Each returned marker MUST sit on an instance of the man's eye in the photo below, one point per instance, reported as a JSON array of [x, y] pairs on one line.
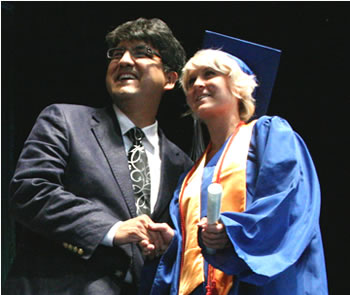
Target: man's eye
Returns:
[[118, 53], [140, 53]]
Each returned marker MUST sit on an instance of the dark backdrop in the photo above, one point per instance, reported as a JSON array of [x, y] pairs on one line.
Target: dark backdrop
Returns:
[[55, 52]]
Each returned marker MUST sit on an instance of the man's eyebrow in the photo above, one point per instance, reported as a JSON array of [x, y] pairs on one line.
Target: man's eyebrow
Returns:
[[141, 46]]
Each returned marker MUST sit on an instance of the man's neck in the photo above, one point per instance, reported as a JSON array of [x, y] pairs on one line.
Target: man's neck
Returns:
[[140, 115]]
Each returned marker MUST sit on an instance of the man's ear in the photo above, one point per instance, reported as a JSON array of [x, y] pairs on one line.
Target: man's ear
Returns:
[[171, 78]]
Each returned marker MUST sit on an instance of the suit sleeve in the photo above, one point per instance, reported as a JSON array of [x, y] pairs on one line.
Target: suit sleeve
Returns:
[[38, 198], [283, 209]]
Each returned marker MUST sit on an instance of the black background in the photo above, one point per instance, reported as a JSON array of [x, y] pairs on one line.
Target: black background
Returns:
[[55, 52]]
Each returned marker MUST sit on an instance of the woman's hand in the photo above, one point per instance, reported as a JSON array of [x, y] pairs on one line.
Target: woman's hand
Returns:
[[213, 235]]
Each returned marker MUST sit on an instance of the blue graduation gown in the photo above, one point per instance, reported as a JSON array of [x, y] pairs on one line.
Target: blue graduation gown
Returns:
[[276, 243]]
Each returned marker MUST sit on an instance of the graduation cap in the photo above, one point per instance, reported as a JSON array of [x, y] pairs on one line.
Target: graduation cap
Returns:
[[263, 61]]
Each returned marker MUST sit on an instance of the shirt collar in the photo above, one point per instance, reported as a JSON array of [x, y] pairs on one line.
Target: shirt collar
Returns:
[[151, 131]]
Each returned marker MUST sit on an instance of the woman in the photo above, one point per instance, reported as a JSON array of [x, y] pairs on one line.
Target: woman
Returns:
[[267, 240]]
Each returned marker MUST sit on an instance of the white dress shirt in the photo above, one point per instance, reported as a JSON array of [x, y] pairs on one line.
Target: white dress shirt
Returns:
[[151, 144]]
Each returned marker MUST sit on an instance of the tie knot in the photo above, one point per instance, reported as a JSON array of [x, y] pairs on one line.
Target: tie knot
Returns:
[[135, 134]]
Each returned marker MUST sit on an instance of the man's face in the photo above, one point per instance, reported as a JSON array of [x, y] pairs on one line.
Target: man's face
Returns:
[[134, 75]]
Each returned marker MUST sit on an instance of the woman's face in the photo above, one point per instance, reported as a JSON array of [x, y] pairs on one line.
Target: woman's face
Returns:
[[209, 94]]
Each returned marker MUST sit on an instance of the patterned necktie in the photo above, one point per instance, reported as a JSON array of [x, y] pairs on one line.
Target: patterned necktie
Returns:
[[139, 171]]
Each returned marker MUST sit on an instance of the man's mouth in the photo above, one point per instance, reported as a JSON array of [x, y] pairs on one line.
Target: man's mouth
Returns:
[[126, 76]]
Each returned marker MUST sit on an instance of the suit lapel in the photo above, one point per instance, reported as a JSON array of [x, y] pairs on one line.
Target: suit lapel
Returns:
[[107, 132]]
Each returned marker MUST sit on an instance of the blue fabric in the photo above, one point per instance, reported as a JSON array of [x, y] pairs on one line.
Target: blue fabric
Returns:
[[242, 65], [276, 243]]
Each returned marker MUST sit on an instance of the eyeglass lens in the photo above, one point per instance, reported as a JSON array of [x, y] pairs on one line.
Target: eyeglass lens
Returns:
[[137, 52]]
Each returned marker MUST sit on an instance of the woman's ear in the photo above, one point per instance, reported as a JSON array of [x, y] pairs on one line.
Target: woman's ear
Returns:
[[171, 80]]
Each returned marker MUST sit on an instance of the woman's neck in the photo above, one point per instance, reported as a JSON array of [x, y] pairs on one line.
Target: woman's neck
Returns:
[[220, 130]]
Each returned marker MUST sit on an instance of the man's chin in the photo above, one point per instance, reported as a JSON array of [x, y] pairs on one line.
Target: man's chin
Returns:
[[125, 94]]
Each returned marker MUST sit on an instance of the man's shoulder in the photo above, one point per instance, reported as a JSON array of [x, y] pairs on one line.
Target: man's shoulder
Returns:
[[71, 110], [172, 148], [65, 107]]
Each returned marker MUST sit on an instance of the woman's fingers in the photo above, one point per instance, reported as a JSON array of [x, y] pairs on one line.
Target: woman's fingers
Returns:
[[214, 235]]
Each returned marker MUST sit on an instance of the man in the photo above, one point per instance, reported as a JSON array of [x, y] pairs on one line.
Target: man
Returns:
[[72, 191]]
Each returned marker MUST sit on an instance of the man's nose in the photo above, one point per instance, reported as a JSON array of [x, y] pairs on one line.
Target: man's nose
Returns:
[[126, 59]]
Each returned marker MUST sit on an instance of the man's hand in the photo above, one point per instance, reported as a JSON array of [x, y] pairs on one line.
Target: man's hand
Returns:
[[135, 230], [166, 234], [213, 235]]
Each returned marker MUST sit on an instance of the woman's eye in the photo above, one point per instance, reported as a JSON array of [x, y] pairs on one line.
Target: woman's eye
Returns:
[[191, 82], [209, 73]]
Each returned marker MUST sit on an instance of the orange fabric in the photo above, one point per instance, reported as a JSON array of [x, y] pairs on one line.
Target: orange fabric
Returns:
[[192, 270], [233, 179]]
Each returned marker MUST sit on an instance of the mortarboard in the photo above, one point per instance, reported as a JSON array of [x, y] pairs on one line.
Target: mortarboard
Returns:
[[262, 60]]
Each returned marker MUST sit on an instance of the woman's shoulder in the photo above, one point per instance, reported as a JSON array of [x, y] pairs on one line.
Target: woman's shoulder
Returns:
[[271, 120], [272, 123]]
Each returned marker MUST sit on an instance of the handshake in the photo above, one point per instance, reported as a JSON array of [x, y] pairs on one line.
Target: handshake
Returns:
[[154, 238]]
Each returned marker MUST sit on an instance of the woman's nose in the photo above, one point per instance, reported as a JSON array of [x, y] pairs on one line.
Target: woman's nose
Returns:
[[198, 82]]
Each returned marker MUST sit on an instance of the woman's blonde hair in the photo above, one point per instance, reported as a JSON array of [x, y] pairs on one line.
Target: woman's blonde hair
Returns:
[[243, 85]]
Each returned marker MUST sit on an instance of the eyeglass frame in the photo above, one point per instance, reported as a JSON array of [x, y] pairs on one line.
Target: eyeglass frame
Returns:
[[149, 52]]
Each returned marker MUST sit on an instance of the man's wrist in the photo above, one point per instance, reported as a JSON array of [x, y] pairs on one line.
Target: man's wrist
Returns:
[[108, 239]]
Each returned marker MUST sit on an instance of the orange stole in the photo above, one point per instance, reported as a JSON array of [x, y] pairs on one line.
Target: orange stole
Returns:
[[233, 180]]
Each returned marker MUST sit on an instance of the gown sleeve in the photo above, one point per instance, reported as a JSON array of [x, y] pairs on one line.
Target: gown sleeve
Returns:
[[283, 206]]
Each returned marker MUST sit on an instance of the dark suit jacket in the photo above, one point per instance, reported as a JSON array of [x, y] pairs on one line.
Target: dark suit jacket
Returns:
[[70, 186]]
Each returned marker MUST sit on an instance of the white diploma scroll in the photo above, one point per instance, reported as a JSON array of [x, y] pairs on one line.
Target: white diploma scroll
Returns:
[[213, 206]]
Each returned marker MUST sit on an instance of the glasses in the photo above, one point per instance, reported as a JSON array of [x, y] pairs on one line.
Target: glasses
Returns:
[[140, 51]]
